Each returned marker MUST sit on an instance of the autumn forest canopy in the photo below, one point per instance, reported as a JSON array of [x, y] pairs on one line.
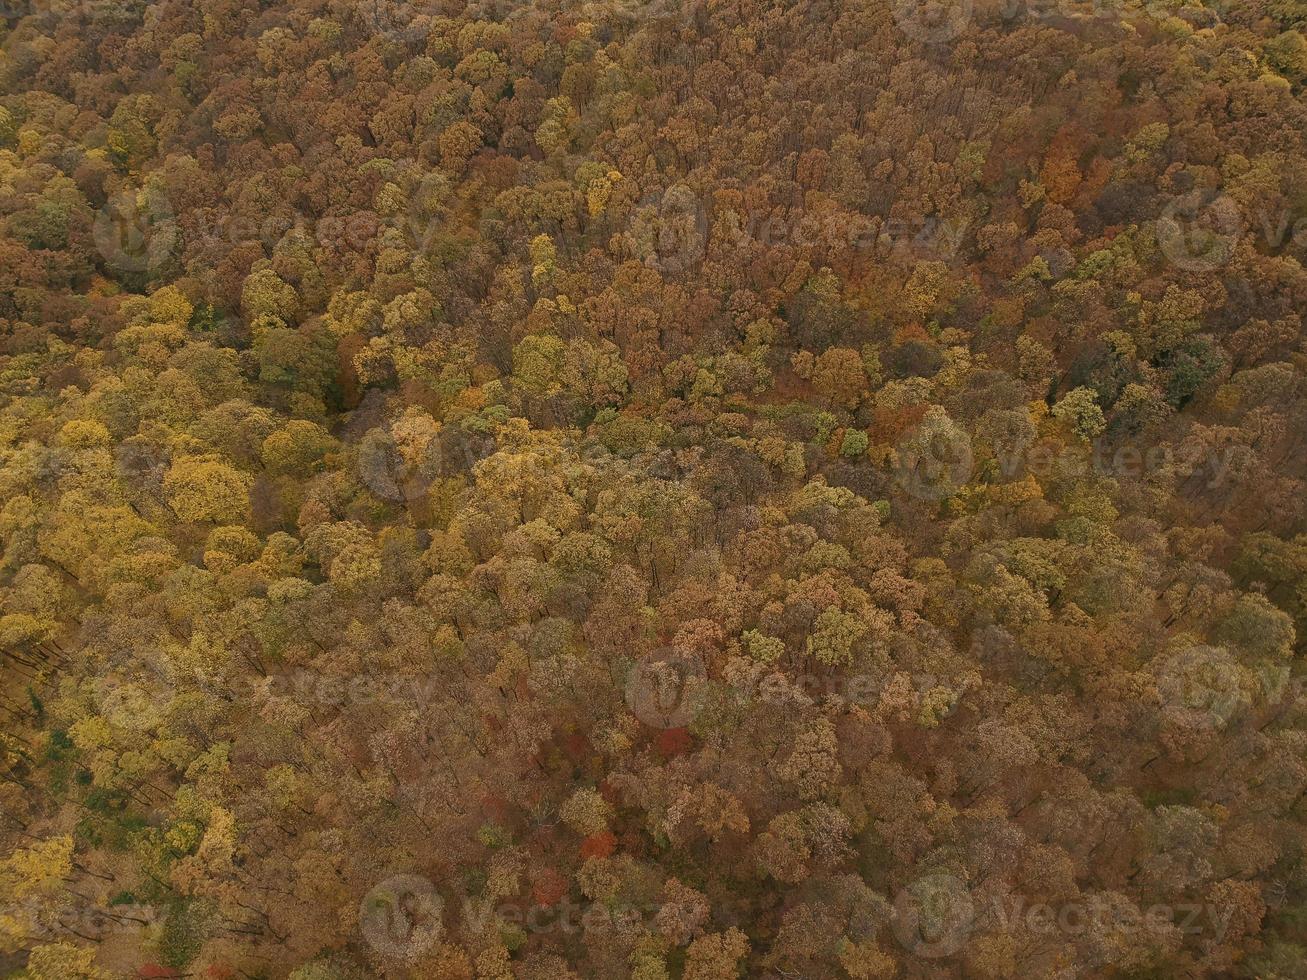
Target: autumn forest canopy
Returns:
[[655, 490]]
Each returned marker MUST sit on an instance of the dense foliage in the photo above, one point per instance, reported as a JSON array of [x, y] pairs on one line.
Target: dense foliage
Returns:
[[781, 488]]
